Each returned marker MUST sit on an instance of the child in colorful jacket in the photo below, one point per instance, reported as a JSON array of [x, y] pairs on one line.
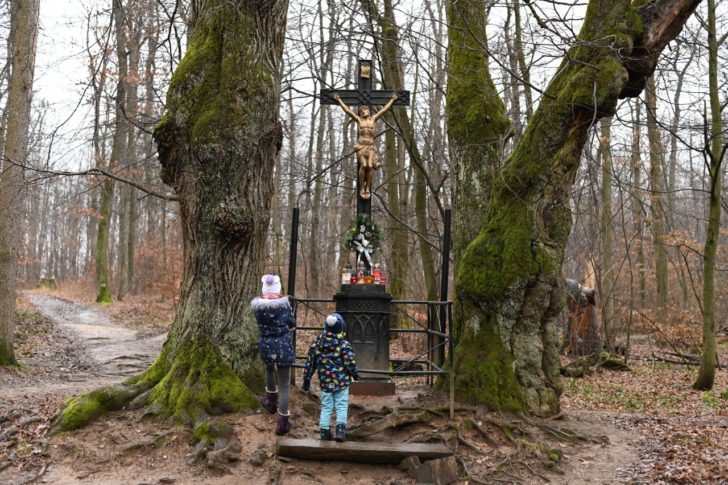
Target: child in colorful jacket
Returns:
[[274, 316], [331, 355]]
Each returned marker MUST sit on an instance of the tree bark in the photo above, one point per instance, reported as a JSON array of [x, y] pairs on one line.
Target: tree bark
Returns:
[[709, 358], [217, 144], [607, 235], [637, 206], [118, 148], [477, 123], [509, 280], [657, 200], [20, 95]]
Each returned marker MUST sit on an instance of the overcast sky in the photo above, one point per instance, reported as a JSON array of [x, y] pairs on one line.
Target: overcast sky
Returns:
[[61, 74]]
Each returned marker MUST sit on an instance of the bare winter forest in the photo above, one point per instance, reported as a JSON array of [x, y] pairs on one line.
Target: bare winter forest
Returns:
[[153, 154]]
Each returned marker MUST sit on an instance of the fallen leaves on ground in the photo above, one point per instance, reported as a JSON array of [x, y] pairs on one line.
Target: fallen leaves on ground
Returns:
[[684, 431]]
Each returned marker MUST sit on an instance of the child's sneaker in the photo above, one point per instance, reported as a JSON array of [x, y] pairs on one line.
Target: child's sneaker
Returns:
[[326, 435]]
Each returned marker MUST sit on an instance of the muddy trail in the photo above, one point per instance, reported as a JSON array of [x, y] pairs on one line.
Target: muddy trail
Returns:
[[86, 349]]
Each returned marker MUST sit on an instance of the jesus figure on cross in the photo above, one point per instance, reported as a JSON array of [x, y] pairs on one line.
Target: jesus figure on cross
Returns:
[[366, 153]]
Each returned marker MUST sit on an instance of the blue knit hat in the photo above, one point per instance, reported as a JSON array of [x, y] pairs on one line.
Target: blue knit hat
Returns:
[[334, 323]]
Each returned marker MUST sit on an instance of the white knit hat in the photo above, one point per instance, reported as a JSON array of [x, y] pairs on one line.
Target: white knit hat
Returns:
[[271, 284]]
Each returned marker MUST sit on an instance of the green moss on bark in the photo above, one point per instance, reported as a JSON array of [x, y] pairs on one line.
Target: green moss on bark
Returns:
[[485, 371], [509, 282], [81, 410], [7, 355], [477, 122], [200, 383], [104, 294]]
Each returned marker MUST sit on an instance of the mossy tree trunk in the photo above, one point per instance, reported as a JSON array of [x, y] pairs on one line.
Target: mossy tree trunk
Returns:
[[217, 144], [509, 281], [716, 155], [24, 20], [477, 123]]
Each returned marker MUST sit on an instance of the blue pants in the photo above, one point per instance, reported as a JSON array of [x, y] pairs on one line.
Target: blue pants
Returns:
[[329, 401]]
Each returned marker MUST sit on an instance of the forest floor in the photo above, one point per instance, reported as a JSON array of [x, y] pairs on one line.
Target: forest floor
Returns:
[[641, 426]]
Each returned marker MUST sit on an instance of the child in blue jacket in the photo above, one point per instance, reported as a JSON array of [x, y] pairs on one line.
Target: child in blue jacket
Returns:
[[331, 355], [274, 316]]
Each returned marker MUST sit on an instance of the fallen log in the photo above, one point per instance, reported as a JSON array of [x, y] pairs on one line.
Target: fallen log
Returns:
[[359, 451]]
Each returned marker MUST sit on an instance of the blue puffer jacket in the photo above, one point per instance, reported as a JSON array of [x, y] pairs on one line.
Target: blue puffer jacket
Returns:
[[275, 319], [333, 357]]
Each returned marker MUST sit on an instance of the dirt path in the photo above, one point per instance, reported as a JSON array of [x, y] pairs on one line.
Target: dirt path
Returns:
[[87, 349], [112, 350]]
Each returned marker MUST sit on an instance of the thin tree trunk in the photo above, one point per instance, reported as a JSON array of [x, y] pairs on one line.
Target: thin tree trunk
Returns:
[[394, 79], [116, 158], [20, 94], [657, 202], [637, 206], [708, 358], [132, 152], [672, 170], [524, 70], [607, 235]]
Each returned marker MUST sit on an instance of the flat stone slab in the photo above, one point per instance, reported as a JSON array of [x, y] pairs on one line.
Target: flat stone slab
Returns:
[[359, 451]]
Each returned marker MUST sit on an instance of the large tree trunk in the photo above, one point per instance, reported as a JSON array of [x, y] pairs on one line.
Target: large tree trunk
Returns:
[[509, 280], [477, 123], [709, 357], [217, 145], [20, 92]]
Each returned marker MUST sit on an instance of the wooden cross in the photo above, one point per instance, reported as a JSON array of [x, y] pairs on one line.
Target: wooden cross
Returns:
[[364, 96]]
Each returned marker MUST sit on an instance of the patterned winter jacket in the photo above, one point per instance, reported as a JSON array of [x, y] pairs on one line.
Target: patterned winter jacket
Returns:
[[333, 357], [275, 319]]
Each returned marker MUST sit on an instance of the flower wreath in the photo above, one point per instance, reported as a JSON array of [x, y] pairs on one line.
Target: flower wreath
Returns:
[[363, 237]]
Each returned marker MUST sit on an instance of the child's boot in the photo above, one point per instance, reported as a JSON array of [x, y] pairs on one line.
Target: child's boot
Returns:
[[326, 434], [340, 432], [283, 425], [270, 401]]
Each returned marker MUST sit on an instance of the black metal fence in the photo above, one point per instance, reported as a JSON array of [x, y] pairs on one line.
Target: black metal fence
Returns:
[[431, 319]]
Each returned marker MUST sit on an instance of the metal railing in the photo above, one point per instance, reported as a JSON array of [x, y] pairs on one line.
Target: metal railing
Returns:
[[436, 326]]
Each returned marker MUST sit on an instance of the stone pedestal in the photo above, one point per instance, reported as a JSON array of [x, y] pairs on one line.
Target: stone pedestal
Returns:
[[366, 310]]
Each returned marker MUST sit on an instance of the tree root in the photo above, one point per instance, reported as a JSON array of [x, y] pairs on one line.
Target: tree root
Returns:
[[216, 444], [35, 477], [472, 478], [81, 410], [486, 436], [560, 433], [189, 388], [463, 440], [586, 365], [393, 420]]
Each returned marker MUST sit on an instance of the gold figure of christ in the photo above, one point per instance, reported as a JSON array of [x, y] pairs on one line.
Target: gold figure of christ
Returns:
[[366, 153]]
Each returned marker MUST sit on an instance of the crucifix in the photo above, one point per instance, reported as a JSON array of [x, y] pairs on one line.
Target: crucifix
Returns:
[[365, 98]]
